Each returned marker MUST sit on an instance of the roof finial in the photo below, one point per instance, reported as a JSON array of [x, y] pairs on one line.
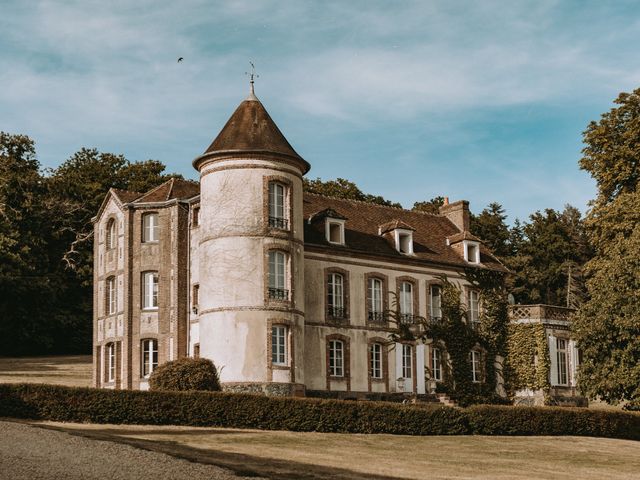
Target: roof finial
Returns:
[[252, 74]]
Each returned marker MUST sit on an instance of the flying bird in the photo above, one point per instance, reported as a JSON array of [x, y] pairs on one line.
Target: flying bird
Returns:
[[180, 59]]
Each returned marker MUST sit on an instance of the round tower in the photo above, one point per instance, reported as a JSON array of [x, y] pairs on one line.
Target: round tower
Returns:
[[251, 255]]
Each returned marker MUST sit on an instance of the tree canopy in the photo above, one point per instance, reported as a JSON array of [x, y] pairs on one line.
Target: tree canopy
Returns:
[[608, 324]]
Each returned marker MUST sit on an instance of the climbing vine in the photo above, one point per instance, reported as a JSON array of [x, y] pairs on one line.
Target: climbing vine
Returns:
[[455, 334], [528, 360]]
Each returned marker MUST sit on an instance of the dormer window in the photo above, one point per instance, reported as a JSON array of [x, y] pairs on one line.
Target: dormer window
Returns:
[[471, 251], [334, 231], [404, 241]]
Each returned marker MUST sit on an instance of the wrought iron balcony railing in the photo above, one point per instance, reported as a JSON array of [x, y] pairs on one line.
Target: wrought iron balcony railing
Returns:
[[279, 222], [407, 318], [377, 317], [337, 312], [278, 294]]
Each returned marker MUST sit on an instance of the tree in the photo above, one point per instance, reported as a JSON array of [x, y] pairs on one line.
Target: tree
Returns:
[[490, 226], [608, 324], [341, 188], [431, 206]]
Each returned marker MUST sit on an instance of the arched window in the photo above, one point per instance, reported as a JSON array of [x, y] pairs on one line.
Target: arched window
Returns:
[[278, 275], [374, 291], [110, 239], [111, 296], [149, 357], [335, 295], [150, 231], [277, 207]]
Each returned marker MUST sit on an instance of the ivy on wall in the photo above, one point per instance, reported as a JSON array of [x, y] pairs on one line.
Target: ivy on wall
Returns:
[[528, 360], [453, 332]]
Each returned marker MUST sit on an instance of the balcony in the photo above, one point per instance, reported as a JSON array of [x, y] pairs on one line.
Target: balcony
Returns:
[[336, 313], [279, 223], [377, 317], [539, 313], [278, 294], [408, 319]]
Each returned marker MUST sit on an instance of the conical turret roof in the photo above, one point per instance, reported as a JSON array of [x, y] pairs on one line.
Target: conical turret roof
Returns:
[[251, 131]]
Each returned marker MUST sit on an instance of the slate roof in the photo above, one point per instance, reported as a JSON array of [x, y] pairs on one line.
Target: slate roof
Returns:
[[250, 130], [361, 233]]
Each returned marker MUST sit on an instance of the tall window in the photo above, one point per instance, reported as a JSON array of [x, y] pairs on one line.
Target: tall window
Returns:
[[406, 302], [335, 295], [110, 240], [407, 361], [375, 353], [436, 303], [111, 362], [279, 345], [561, 352], [476, 372], [474, 308], [111, 296], [195, 298], [150, 290], [277, 275], [149, 357], [277, 195], [436, 364], [375, 300], [336, 358], [150, 227]]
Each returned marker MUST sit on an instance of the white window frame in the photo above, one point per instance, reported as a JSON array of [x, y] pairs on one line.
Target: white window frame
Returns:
[[401, 234], [407, 360], [475, 357], [376, 304], [110, 238], [336, 358], [278, 205], [150, 290], [436, 364], [335, 291], [279, 348], [335, 223], [111, 362], [435, 307], [149, 357], [562, 361], [375, 359], [474, 308], [471, 251], [112, 296], [150, 228], [277, 276], [406, 298]]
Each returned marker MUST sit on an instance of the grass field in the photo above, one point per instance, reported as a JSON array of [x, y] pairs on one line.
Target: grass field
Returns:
[[70, 370], [293, 455]]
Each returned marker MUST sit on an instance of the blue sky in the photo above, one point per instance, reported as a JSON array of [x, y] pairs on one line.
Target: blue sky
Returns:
[[484, 101]]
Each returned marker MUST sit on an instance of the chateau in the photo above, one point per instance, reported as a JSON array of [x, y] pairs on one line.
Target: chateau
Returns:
[[287, 292]]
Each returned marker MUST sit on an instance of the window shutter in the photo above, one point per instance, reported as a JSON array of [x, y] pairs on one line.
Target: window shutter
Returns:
[[553, 365], [420, 349], [398, 360], [572, 353]]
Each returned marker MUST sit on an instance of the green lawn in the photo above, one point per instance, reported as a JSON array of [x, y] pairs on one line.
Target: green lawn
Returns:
[[293, 455]]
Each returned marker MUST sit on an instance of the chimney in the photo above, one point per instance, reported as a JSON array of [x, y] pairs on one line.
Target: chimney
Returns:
[[457, 213]]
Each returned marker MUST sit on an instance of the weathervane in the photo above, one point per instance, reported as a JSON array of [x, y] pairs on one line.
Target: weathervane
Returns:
[[252, 74]]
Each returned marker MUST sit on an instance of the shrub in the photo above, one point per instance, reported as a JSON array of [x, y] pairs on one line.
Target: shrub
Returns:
[[185, 374], [235, 410]]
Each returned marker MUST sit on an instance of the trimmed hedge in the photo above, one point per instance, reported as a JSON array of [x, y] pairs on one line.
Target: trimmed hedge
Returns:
[[185, 374], [49, 402]]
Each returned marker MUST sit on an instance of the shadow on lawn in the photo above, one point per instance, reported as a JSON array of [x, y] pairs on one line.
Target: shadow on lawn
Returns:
[[240, 464]]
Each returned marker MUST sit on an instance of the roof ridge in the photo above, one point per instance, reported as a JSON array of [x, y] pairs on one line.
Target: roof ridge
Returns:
[[353, 200], [172, 182]]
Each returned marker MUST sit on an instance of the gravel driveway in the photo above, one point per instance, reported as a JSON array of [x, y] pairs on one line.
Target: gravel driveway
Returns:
[[28, 452]]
